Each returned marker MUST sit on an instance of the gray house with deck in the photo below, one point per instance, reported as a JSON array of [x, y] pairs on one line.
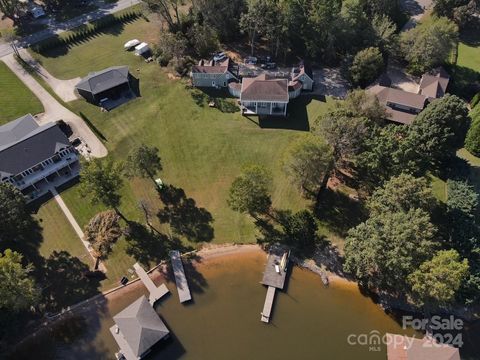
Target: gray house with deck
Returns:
[[34, 158], [213, 73]]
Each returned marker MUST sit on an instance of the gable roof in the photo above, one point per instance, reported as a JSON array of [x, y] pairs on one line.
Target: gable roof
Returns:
[[141, 326], [264, 88], [434, 84], [23, 144], [388, 96], [303, 68], [212, 67], [401, 347], [97, 82]]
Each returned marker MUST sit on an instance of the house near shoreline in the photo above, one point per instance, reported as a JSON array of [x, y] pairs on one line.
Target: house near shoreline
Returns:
[[213, 73], [263, 95], [137, 329], [403, 106], [401, 347], [35, 158]]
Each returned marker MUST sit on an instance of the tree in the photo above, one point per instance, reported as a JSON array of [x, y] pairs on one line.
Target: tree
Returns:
[[249, 192], [204, 39], [382, 251], [227, 25], [253, 21], [447, 7], [169, 10], [385, 34], [437, 281], [300, 230], [308, 162], [170, 46], [472, 141], [439, 130], [102, 231], [367, 66], [16, 221], [401, 193], [143, 161], [17, 289], [362, 104], [100, 180], [346, 135], [11, 8], [428, 44]]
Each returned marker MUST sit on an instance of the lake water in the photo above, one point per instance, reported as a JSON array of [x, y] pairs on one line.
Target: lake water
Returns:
[[309, 321]]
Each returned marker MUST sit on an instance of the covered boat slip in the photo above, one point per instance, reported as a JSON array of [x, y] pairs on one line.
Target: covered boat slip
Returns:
[[180, 278]]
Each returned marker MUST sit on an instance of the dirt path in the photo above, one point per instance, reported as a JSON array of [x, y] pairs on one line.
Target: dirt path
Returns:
[[55, 111]]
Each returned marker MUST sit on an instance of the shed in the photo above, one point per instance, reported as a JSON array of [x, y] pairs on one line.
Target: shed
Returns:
[[107, 83]]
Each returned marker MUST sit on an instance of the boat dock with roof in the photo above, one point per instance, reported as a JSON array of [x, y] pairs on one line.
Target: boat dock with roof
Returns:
[[274, 277], [180, 278], [155, 292]]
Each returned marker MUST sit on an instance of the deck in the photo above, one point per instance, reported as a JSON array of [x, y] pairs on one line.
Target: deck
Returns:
[[270, 276], [156, 293], [180, 278], [267, 307]]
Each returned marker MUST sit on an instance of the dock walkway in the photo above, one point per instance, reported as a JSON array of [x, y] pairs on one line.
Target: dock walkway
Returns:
[[155, 292], [267, 307], [180, 278]]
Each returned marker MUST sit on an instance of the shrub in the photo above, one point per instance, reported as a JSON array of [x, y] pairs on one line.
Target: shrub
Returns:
[[472, 141]]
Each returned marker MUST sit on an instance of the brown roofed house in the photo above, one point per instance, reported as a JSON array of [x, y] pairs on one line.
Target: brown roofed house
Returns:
[[213, 73], [264, 95], [400, 347], [403, 106]]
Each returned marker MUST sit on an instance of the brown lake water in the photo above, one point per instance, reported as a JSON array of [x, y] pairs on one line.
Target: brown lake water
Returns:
[[309, 321]]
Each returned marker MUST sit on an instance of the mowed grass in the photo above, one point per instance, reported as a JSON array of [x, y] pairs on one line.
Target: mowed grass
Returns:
[[15, 98], [202, 149], [58, 234], [467, 68], [469, 52]]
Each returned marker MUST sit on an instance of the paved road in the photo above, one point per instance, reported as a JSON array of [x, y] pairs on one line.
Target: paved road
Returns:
[[55, 111], [55, 28]]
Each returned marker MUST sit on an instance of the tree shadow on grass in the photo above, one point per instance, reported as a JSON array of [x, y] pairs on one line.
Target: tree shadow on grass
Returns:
[[67, 281], [184, 216], [297, 115], [149, 246], [338, 212], [465, 82]]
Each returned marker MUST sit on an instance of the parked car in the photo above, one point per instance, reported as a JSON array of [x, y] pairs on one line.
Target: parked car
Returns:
[[219, 56], [76, 142], [66, 129], [269, 66], [251, 60]]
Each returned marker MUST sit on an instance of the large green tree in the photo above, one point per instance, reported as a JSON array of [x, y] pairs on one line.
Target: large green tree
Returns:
[[385, 249], [472, 140], [18, 290], [249, 192], [11, 8], [143, 161], [308, 162], [439, 130], [385, 34], [169, 11], [437, 281], [429, 44], [15, 219], [366, 67], [401, 193], [100, 181]]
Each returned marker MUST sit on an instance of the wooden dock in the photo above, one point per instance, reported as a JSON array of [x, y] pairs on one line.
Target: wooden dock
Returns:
[[180, 278], [267, 307], [156, 293], [274, 277]]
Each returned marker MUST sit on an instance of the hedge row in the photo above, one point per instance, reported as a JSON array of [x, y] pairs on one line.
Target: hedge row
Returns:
[[88, 31]]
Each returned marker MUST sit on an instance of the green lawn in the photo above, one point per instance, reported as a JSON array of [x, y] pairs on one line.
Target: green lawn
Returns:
[[467, 68], [202, 148], [58, 234], [15, 98]]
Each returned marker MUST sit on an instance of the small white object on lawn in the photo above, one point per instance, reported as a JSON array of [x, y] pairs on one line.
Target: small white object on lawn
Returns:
[[130, 44], [141, 48]]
